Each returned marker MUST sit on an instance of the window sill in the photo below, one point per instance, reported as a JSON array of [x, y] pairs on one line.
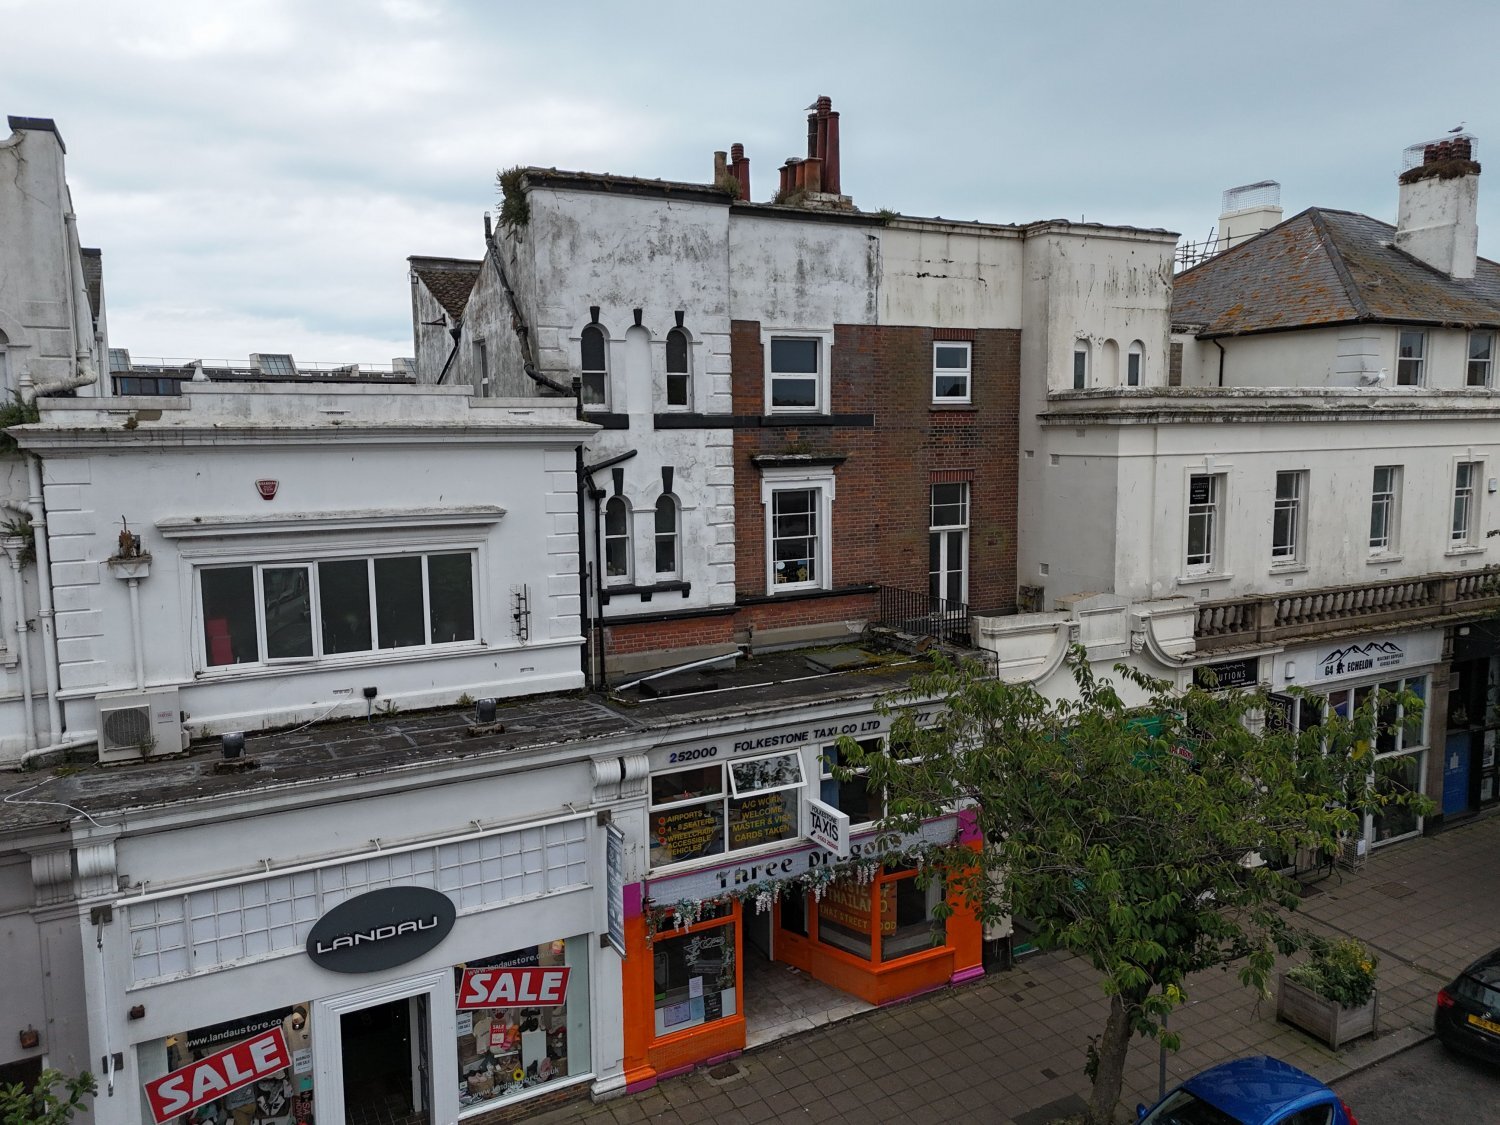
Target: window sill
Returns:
[[645, 592], [1383, 560], [1199, 579], [958, 407], [1461, 552], [343, 660], [1295, 567]]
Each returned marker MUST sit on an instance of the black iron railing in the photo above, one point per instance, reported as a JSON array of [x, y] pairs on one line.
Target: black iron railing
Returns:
[[922, 615]]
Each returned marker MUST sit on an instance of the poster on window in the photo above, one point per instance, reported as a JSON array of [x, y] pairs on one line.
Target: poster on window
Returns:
[[689, 833], [254, 1071], [762, 819]]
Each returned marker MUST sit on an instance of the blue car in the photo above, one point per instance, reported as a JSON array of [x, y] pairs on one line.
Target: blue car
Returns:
[[1255, 1091]]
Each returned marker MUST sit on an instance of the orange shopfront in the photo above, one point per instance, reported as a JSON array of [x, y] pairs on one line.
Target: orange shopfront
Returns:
[[863, 926]]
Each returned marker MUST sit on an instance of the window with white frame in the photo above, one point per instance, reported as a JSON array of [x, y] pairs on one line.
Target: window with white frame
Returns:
[[616, 540], [948, 542], [1411, 356], [256, 613], [951, 361], [1134, 359], [1080, 364], [798, 503], [1465, 502], [794, 374], [1287, 517], [594, 368], [1205, 496], [1481, 359], [679, 386], [1385, 502], [666, 534], [709, 810]]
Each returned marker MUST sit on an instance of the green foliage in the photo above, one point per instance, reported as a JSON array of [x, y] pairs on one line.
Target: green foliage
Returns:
[[796, 197], [1128, 835], [25, 529], [1341, 971], [515, 208], [16, 413], [43, 1104], [729, 185]]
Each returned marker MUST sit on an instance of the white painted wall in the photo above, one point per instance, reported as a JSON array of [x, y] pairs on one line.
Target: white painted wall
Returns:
[[1324, 357], [402, 463], [949, 275]]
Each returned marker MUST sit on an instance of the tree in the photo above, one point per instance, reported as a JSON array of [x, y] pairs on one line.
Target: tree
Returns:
[[1131, 836], [42, 1104]]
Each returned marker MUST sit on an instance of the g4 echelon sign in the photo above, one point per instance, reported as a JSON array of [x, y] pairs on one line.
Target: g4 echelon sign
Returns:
[[380, 929]]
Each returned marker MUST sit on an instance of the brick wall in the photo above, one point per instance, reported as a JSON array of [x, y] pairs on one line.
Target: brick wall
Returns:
[[651, 636], [881, 514]]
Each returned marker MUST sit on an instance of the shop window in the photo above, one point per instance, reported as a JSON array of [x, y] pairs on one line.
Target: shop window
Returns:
[[712, 809], [522, 1020], [679, 388], [228, 1071], [887, 919], [304, 611], [696, 977]]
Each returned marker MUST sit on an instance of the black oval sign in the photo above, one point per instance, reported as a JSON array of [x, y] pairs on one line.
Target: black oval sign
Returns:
[[380, 929]]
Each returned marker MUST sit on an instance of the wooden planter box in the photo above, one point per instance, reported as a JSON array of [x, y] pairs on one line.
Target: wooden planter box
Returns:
[[1324, 1019]]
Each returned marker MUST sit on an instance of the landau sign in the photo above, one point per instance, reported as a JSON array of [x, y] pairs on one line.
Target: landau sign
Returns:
[[380, 929]]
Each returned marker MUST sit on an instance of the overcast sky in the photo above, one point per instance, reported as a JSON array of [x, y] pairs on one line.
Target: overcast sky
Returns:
[[257, 171]]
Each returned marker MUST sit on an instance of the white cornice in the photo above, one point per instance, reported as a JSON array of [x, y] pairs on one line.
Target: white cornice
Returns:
[[282, 523]]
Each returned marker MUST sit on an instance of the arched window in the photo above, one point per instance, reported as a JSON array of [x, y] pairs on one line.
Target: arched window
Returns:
[[1080, 364], [1134, 360], [617, 540], [595, 368], [666, 535], [679, 388]]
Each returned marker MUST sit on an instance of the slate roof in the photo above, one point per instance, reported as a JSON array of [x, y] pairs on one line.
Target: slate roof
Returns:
[[1328, 267], [93, 278], [450, 280]]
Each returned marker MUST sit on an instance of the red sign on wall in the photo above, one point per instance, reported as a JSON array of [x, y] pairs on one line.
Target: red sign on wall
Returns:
[[201, 1082], [513, 988]]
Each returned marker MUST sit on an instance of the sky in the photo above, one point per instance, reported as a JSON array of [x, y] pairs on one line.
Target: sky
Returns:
[[256, 172]]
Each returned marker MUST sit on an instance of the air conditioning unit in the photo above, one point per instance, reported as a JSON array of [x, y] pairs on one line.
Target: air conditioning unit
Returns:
[[137, 725]]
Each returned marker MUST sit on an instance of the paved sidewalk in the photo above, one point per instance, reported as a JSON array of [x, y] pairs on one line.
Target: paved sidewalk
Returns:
[[999, 1049]]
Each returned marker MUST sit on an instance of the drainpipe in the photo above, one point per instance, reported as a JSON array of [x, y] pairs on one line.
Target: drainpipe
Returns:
[[138, 643], [44, 592], [13, 546], [83, 326], [456, 332], [519, 324], [586, 479], [1221, 361]]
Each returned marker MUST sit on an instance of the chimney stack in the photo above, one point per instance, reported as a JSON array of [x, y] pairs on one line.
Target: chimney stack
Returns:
[[739, 168], [818, 173], [1247, 211], [1437, 216]]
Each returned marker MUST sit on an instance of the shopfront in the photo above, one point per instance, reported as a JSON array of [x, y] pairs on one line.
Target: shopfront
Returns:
[[425, 984], [1471, 766], [1340, 677], [758, 852]]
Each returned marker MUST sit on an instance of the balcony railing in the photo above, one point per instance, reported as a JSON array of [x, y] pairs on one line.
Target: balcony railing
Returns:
[[1269, 618], [922, 615]]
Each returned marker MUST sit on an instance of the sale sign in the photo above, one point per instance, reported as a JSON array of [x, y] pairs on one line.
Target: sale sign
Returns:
[[223, 1072], [531, 987]]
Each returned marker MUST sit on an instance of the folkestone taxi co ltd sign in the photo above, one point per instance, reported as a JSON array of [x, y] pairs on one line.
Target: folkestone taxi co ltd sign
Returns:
[[380, 929]]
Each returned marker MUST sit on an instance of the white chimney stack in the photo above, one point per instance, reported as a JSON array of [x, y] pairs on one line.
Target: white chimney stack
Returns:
[[1437, 218], [1248, 210]]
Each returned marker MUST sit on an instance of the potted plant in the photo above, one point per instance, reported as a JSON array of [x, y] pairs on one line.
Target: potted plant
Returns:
[[1332, 994]]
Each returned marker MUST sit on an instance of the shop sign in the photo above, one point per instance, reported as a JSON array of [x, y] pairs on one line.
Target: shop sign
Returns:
[[760, 741], [1359, 660], [380, 929], [614, 885], [209, 1079], [1229, 674], [711, 882], [499, 987], [827, 827]]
